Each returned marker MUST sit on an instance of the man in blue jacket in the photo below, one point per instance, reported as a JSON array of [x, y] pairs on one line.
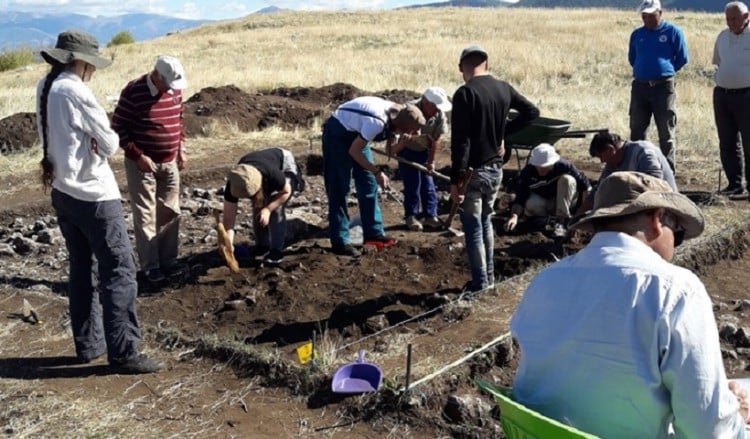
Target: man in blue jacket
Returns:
[[656, 52]]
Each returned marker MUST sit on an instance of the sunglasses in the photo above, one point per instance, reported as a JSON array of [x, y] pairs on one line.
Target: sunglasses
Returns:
[[670, 220]]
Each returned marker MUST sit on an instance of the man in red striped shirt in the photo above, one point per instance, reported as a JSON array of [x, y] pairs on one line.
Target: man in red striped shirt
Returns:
[[148, 119]]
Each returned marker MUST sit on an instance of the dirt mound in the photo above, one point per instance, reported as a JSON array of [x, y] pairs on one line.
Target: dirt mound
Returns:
[[287, 107], [17, 132]]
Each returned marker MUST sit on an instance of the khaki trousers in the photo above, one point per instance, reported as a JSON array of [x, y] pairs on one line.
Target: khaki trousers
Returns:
[[561, 205], [155, 199]]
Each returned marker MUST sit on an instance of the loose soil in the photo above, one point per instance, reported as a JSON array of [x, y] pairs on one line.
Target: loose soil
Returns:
[[229, 340]]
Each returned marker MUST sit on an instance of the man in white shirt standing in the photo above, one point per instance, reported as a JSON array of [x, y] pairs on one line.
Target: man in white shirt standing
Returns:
[[732, 97], [617, 341]]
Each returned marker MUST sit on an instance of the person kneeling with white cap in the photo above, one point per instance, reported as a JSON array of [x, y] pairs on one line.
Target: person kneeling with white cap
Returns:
[[548, 186]]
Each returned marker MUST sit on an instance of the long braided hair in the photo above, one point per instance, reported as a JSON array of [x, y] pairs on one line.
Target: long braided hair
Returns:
[[48, 174]]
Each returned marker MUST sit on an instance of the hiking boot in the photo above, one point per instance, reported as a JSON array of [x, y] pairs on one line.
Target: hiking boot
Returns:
[[174, 269], [155, 275], [413, 224], [274, 257], [732, 190], [432, 222], [345, 250], [136, 365], [381, 241]]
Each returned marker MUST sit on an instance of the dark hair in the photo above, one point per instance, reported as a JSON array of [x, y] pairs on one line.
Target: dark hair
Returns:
[[473, 59], [602, 141], [48, 174]]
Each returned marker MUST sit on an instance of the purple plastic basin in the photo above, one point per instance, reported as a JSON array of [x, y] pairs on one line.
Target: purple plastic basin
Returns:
[[357, 377]]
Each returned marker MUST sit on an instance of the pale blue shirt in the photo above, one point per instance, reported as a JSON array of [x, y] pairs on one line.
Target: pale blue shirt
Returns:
[[367, 125], [73, 119], [622, 344]]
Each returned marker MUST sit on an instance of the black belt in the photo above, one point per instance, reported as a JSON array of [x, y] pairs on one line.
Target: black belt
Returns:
[[733, 91], [655, 82]]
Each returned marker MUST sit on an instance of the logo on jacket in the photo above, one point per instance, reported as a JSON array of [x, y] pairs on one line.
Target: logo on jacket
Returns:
[[662, 38]]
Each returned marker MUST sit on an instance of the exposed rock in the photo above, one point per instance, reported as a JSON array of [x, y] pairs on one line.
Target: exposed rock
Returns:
[[23, 246], [463, 409], [6, 250], [728, 332]]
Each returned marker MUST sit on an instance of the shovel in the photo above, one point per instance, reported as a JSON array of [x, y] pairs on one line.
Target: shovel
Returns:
[[454, 206], [357, 377], [413, 164]]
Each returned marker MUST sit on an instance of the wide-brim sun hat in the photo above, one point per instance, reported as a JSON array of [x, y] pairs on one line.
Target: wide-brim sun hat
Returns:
[[244, 181], [627, 192], [543, 155], [75, 45], [407, 116]]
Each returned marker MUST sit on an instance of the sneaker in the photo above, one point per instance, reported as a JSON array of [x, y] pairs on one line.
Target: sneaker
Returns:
[[732, 190], [136, 365], [413, 224], [345, 250], [738, 196], [274, 257], [381, 241], [559, 231], [432, 222], [259, 250], [174, 269], [154, 275]]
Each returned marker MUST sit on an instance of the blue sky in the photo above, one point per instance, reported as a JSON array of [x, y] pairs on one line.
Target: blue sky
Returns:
[[196, 9]]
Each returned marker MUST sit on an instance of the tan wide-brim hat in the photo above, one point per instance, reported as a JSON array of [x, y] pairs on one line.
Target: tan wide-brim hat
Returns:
[[407, 117], [73, 45], [244, 181], [625, 193]]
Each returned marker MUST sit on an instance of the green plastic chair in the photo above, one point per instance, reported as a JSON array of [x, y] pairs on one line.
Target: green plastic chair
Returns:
[[520, 422]]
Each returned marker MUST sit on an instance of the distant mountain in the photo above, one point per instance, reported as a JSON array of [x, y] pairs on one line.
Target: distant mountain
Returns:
[[464, 3], [40, 30], [270, 10], [687, 5]]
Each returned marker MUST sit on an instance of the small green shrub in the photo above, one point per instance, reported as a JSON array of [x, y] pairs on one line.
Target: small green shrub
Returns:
[[121, 38], [13, 59]]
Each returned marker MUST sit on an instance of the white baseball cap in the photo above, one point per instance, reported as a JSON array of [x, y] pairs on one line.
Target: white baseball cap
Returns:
[[543, 155], [649, 6], [437, 96], [172, 71]]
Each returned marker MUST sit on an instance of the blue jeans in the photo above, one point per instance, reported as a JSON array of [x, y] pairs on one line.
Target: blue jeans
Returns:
[[476, 218], [418, 186], [273, 235], [104, 319], [339, 167]]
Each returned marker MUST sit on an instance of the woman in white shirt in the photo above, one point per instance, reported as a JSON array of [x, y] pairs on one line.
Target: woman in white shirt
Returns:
[[77, 141]]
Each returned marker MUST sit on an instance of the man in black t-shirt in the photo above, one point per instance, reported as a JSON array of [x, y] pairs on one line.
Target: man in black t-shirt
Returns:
[[268, 178]]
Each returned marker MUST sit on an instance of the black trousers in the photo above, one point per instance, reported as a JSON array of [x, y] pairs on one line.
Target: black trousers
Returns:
[[732, 116]]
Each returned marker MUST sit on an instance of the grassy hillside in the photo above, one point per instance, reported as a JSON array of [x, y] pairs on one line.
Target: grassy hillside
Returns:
[[571, 63], [685, 5]]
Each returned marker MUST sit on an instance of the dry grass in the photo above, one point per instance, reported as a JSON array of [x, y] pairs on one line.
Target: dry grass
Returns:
[[571, 63]]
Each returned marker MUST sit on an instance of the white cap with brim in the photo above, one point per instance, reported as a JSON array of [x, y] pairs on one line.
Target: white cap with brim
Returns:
[[439, 97], [625, 193], [75, 45], [172, 72], [649, 6]]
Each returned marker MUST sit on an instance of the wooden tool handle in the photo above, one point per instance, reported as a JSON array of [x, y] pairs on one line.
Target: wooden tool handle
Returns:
[[461, 190], [413, 164]]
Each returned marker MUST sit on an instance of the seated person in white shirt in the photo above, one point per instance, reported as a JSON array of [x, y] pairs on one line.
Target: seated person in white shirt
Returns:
[[617, 341]]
